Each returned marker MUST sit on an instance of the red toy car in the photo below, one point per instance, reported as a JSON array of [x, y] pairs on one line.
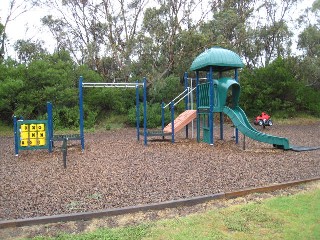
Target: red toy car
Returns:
[[263, 120]]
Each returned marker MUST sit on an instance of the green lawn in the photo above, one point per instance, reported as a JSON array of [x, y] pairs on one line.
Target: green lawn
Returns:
[[286, 217]]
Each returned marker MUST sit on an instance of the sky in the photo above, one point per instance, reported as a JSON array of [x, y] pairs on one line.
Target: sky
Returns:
[[28, 25]]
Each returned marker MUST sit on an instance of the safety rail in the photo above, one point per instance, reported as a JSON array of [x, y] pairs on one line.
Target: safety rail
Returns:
[[177, 97]]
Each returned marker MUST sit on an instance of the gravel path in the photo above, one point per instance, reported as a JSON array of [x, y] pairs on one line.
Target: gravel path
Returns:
[[116, 171]]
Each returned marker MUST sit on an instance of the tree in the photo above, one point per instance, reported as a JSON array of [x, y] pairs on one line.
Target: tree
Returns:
[[163, 42], [28, 50], [274, 35], [309, 43], [16, 9], [94, 32], [256, 29]]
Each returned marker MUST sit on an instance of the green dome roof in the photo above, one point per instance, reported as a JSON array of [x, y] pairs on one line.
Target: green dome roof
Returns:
[[220, 58]]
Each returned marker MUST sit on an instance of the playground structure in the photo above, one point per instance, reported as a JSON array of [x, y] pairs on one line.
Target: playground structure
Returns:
[[215, 93], [212, 97], [137, 85]]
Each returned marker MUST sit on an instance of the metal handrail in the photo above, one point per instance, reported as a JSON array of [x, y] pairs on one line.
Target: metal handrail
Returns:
[[185, 94]]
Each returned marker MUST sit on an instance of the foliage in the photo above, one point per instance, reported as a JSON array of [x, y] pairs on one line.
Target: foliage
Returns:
[[28, 50], [275, 88], [153, 116], [166, 90], [125, 41]]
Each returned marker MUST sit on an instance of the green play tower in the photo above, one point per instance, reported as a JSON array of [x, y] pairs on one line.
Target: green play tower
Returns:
[[220, 94]]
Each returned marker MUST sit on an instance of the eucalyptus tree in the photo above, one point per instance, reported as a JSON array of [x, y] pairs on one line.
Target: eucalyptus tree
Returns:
[[168, 29], [229, 25], [72, 24], [96, 30], [15, 10], [256, 29], [309, 44], [28, 50], [273, 31]]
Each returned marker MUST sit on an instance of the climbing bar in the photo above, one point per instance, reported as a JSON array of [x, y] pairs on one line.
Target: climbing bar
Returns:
[[124, 85], [68, 136]]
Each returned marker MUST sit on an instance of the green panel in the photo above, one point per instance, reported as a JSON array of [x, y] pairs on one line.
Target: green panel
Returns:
[[206, 135], [204, 95], [220, 58], [240, 120], [222, 87], [33, 134]]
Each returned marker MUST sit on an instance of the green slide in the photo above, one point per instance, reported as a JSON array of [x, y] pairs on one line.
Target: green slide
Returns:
[[240, 120]]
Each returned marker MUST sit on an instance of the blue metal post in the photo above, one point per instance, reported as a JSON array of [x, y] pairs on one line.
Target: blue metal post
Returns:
[[197, 103], [186, 85], [16, 140], [186, 98], [162, 115], [145, 110], [236, 77], [50, 126], [172, 120], [138, 111], [81, 112], [211, 97]]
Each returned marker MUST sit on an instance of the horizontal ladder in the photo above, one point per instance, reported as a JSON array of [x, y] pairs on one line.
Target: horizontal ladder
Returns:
[[106, 85]]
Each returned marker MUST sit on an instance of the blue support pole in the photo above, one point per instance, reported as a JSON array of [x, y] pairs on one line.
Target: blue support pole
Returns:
[[145, 110], [172, 120], [81, 112], [16, 139], [186, 98], [162, 115], [197, 103], [138, 111], [211, 97], [236, 77], [50, 126]]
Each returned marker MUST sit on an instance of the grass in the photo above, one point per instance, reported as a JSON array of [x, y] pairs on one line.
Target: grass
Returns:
[[112, 122], [302, 120], [5, 130], [285, 217]]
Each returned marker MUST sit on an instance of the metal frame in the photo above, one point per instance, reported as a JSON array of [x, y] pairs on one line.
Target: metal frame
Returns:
[[210, 108], [135, 85]]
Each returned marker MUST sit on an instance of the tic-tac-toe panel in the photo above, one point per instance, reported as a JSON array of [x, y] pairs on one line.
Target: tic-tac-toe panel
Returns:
[[32, 134]]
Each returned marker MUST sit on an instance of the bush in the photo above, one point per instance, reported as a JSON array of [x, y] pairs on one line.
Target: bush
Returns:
[[275, 88], [165, 90], [153, 116]]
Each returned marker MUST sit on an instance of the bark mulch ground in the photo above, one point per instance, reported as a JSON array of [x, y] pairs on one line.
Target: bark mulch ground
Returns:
[[117, 171]]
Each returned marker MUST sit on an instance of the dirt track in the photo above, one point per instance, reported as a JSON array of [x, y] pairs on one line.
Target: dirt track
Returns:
[[115, 170]]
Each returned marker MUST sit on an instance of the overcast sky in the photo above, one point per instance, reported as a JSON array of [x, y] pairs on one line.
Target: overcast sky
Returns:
[[28, 26]]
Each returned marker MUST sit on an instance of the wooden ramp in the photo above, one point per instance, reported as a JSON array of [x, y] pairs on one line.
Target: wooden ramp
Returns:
[[181, 121]]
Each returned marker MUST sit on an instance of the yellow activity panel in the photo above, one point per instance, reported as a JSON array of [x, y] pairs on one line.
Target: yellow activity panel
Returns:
[[32, 134]]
